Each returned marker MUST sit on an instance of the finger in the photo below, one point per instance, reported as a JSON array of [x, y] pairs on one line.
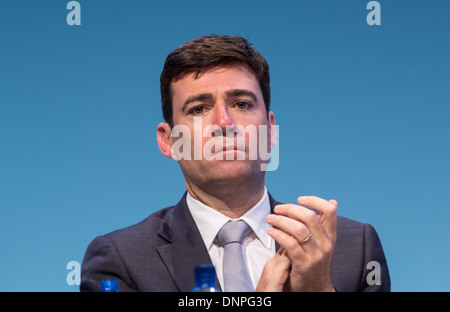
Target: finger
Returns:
[[281, 252], [305, 216], [275, 272], [279, 263], [282, 260], [290, 226], [323, 206], [333, 202], [294, 250], [327, 210]]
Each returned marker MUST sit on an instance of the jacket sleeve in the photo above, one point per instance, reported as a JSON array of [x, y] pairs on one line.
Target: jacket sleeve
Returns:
[[375, 277], [102, 262]]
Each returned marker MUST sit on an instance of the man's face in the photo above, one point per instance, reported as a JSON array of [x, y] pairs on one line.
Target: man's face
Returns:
[[220, 98]]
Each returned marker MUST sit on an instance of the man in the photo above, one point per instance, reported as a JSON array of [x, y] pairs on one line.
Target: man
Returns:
[[214, 90]]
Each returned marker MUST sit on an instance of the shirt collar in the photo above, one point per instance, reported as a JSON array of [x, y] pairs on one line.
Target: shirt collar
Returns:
[[209, 221]]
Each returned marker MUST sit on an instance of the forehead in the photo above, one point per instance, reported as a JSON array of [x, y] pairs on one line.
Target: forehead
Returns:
[[216, 80]]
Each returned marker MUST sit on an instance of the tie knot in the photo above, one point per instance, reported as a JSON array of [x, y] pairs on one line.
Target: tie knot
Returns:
[[233, 232]]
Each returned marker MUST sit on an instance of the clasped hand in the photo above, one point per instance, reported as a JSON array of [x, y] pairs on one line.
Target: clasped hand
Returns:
[[307, 238]]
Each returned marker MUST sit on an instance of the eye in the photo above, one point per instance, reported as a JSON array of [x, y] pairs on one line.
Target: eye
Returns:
[[198, 110], [242, 105]]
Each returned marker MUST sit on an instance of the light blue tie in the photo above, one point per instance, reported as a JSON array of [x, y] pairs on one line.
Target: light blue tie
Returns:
[[235, 273]]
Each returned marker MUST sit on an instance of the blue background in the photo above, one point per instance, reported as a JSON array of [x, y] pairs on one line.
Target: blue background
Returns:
[[363, 114]]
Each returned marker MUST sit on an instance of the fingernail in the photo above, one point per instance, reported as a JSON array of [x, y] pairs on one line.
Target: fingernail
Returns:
[[302, 198]]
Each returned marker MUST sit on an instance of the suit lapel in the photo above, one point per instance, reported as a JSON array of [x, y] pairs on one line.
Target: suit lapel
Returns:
[[273, 203], [184, 248]]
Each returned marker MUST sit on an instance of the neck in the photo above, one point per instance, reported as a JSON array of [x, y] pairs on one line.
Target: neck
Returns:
[[232, 201]]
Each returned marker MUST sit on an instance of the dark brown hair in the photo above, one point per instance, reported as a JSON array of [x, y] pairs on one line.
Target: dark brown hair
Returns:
[[207, 52]]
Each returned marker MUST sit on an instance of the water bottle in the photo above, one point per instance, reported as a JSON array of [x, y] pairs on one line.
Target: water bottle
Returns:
[[109, 286], [205, 278]]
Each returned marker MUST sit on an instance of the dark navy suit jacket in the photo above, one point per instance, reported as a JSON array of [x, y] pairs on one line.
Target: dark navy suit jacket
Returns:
[[160, 253]]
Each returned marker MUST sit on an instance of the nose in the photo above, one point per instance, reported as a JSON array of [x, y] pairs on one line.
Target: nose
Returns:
[[222, 117]]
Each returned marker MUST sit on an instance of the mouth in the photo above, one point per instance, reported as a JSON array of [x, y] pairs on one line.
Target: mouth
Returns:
[[229, 149]]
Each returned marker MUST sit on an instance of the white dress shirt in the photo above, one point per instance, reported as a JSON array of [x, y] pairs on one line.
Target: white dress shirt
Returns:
[[258, 246]]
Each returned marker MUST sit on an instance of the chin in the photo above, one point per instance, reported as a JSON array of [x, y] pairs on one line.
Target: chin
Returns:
[[222, 172], [233, 169]]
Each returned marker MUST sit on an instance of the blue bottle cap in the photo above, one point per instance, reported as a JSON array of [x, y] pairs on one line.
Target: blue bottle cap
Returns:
[[109, 286], [205, 274]]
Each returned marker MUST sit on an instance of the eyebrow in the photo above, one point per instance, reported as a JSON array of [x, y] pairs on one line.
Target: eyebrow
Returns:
[[197, 98], [241, 92], [208, 96]]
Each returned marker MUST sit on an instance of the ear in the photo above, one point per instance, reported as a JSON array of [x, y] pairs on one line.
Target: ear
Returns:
[[163, 136], [273, 130]]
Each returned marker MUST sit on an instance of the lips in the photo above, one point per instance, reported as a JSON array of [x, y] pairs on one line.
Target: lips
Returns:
[[229, 148], [222, 145]]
